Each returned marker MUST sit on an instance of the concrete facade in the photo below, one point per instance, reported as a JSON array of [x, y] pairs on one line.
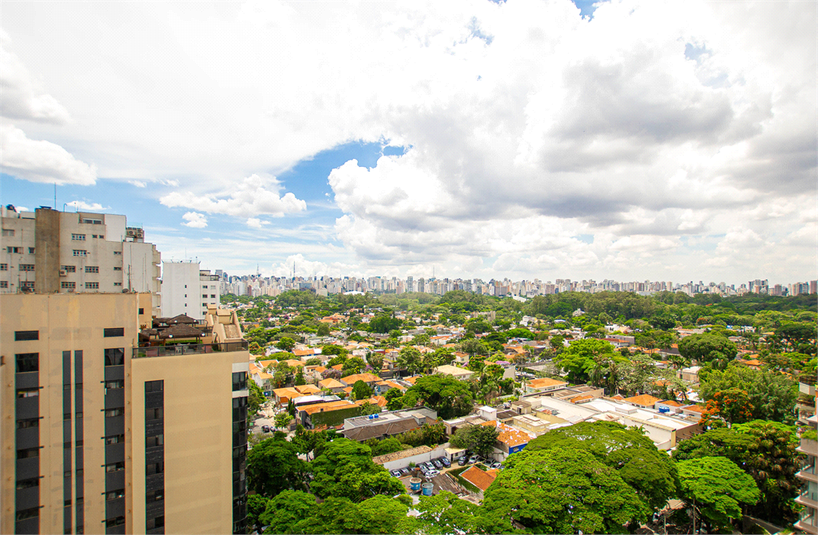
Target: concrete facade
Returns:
[[76, 252], [188, 289], [99, 436]]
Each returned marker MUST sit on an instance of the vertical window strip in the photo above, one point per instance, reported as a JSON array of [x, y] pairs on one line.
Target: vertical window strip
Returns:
[[66, 409], [79, 432]]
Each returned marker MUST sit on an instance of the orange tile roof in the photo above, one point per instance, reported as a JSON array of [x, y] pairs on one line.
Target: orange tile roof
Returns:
[[327, 407], [303, 352], [671, 403], [308, 389], [509, 435], [581, 398], [365, 377], [330, 383], [380, 401], [646, 400], [694, 408], [292, 363], [479, 478], [545, 382]]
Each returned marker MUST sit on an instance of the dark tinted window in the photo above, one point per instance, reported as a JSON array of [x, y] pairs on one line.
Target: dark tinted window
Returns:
[[115, 356], [27, 362], [26, 335], [112, 332]]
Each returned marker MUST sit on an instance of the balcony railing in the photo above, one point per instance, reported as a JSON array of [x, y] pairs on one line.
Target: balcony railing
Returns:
[[175, 350]]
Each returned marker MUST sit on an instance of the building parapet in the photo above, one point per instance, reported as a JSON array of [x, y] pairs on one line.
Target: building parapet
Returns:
[[188, 349]]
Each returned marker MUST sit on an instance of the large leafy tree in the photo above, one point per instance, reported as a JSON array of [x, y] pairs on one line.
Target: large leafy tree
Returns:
[[580, 358], [361, 390], [772, 395], [410, 358], [732, 405], [477, 438], [445, 394], [273, 466], [344, 468], [286, 510], [707, 347], [446, 514], [634, 456], [772, 462], [716, 488], [560, 491]]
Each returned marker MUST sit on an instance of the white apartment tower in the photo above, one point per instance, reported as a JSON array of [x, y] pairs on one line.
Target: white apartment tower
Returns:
[[48, 251], [188, 289]]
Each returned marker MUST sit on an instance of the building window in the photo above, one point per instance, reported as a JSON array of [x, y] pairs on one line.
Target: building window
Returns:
[[114, 494], [213, 296], [18, 250], [68, 285], [20, 336], [113, 332], [115, 356], [4, 267], [26, 267], [27, 362], [80, 252], [156, 413], [114, 385], [4, 284], [117, 268], [154, 468], [31, 250], [8, 232], [141, 311], [92, 286], [239, 381], [117, 253], [110, 413], [204, 296], [78, 237], [117, 284], [155, 441], [115, 467], [28, 453], [69, 269], [101, 237], [92, 269], [27, 285], [115, 439], [92, 221]]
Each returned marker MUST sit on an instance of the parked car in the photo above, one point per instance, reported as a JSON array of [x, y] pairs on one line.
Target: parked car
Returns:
[[395, 473], [446, 462], [496, 464], [473, 459], [432, 473], [462, 460], [437, 464], [265, 428], [404, 471]]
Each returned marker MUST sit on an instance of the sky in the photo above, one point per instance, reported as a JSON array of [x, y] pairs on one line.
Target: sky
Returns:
[[623, 139]]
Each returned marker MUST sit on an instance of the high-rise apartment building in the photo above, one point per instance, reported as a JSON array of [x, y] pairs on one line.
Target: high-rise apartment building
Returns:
[[188, 289], [102, 435], [808, 498], [48, 251]]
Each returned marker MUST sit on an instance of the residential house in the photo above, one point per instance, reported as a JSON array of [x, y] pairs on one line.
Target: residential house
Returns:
[[510, 440], [482, 479], [461, 374], [644, 401], [333, 385], [544, 384]]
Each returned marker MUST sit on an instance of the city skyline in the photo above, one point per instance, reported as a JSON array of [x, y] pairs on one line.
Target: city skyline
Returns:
[[628, 140]]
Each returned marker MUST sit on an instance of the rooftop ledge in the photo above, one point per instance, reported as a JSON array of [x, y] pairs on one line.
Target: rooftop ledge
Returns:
[[188, 349]]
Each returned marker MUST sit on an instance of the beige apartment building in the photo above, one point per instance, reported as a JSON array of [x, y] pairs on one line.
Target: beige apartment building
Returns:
[[48, 251], [100, 435]]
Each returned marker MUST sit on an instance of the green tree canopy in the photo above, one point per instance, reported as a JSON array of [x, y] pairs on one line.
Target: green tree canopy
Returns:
[[477, 438], [771, 394], [561, 491], [286, 343], [445, 394], [707, 347], [411, 359], [718, 487], [580, 357], [273, 466], [634, 456]]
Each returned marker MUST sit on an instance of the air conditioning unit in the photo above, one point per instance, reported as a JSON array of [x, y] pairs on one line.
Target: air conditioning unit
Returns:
[[63, 273]]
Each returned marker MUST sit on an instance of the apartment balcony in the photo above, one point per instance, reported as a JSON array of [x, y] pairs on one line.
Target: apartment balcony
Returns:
[[808, 474], [808, 447], [188, 349], [809, 498], [807, 524]]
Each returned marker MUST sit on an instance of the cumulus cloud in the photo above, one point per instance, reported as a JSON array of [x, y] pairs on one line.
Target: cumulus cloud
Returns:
[[255, 195], [138, 183], [305, 267], [87, 207], [21, 97], [257, 223], [41, 161], [194, 220]]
